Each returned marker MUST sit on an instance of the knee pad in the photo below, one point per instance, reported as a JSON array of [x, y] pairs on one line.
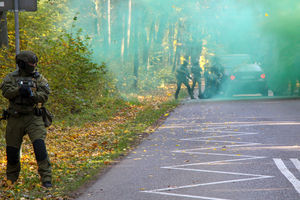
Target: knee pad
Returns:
[[13, 155], [40, 150]]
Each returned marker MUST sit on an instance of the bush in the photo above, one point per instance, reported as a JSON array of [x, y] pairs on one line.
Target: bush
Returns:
[[64, 59]]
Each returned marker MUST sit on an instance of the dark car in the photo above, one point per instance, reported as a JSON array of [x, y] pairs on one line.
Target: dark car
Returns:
[[247, 79]]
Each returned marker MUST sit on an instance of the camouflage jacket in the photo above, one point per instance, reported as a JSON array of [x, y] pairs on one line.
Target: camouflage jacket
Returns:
[[182, 73], [10, 90], [196, 71]]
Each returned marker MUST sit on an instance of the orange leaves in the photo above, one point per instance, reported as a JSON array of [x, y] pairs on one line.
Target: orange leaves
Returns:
[[94, 145], [75, 151]]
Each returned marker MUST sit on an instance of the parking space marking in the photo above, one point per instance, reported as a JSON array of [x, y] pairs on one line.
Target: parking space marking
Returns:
[[288, 174], [184, 195], [206, 184], [199, 151]]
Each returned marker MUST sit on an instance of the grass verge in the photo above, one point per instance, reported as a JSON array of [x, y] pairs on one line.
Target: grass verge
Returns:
[[78, 153]]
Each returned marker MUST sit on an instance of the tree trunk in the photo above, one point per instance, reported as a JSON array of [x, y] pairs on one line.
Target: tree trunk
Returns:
[[136, 67], [171, 41], [136, 36], [108, 22], [3, 30], [129, 24], [123, 39]]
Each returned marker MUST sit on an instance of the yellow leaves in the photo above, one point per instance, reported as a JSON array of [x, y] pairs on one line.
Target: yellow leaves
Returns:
[[177, 8], [95, 145], [166, 115], [65, 45], [9, 183], [175, 42], [75, 150]]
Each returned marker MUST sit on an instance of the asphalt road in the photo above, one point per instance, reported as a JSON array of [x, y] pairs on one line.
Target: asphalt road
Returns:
[[216, 150]]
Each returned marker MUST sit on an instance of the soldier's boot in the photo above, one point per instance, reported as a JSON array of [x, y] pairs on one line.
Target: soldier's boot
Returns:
[[200, 95], [13, 163], [191, 93], [44, 166], [176, 94]]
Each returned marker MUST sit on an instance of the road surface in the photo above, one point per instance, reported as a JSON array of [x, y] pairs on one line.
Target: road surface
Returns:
[[214, 150]]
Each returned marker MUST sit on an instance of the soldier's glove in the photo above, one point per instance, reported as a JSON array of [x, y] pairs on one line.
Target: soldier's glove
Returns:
[[25, 91]]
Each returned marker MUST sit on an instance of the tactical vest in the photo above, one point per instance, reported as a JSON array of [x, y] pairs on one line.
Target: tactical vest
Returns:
[[19, 104]]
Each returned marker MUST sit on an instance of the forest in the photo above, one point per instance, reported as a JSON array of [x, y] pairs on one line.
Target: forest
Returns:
[[111, 63]]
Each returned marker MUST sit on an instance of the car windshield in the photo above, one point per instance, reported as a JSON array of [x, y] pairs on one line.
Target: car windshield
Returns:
[[248, 68], [230, 61]]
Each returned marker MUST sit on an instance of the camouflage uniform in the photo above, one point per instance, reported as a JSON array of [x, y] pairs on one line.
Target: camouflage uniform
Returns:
[[182, 76], [213, 78], [25, 117], [196, 71]]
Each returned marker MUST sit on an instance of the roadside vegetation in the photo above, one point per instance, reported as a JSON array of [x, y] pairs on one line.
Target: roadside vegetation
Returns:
[[95, 123]]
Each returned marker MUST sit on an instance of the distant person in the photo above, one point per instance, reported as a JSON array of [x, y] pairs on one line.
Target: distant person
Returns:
[[214, 77], [217, 70], [182, 76], [26, 89], [196, 72], [209, 83]]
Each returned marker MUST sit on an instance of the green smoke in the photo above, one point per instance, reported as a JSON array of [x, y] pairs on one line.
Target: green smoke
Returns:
[[282, 25], [142, 40]]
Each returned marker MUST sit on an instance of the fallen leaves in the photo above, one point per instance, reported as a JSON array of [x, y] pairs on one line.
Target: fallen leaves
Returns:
[[75, 152]]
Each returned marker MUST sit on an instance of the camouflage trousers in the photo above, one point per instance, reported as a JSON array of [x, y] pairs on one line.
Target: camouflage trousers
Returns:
[[196, 80], [17, 127], [186, 83]]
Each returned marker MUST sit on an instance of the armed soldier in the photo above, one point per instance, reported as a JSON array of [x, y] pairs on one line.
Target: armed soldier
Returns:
[[26, 89], [213, 78], [196, 72], [218, 70], [182, 76]]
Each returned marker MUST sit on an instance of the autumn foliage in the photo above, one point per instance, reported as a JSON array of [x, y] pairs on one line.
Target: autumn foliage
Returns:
[[93, 124]]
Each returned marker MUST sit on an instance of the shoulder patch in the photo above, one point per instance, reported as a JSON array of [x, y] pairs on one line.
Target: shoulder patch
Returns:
[[47, 86]]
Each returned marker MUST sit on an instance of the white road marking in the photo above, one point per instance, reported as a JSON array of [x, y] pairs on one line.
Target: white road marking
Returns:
[[213, 162], [296, 162], [222, 141], [187, 167], [215, 147], [233, 124], [284, 170], [183, 195], [217, 172], [205, 184], [230, 135]]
